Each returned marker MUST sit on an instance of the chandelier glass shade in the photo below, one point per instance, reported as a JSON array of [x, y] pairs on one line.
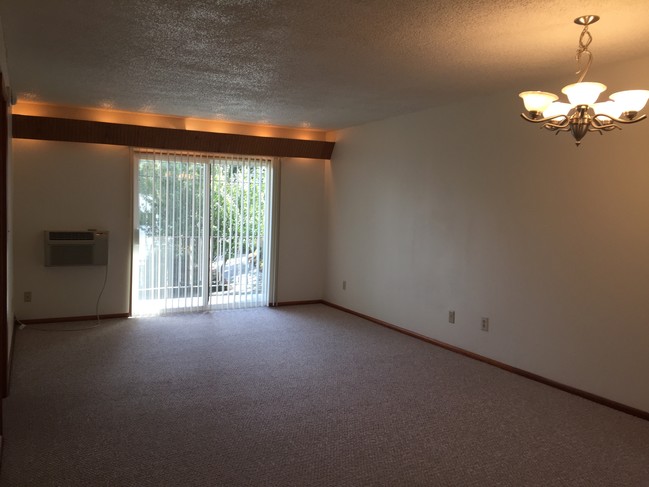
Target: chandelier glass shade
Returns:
[[582, 113]]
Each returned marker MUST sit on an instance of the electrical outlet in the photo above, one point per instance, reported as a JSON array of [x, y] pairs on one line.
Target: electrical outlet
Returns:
[[27, 297], [484, 324], [451, 316], [344, 285]]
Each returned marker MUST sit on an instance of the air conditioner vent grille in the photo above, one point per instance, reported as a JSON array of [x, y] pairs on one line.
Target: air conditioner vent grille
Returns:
[[71, 235], [76, 248]]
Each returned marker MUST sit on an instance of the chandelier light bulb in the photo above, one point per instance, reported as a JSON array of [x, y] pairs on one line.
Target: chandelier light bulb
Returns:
[[609, 109], [557, 109], [583, 93], [537, 101], [631, 101]]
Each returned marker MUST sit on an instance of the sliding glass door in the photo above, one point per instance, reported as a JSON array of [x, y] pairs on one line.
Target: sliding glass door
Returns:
[[202, 236]]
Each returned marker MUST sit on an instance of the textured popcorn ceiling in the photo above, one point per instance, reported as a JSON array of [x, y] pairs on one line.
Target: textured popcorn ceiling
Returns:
[[325, 64]]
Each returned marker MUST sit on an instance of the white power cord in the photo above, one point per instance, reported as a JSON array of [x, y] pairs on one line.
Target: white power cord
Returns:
[[103, 287], [101, 293]]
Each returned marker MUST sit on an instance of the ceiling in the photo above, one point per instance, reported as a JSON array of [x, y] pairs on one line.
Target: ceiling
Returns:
[[301, 63]]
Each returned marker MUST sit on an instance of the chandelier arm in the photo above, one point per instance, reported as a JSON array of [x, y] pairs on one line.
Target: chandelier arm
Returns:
[[619, 120], [540, 120], [555, 129], [564, 126], [602, 129], [603, 125]]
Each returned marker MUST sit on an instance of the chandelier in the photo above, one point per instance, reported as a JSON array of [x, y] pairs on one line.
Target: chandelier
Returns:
[[583, 114]]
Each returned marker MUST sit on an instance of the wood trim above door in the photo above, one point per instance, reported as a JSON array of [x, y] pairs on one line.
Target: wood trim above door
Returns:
[[69, 130]]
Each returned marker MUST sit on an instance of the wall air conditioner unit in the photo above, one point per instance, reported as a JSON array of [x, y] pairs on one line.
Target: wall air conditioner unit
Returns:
[[76, 248]]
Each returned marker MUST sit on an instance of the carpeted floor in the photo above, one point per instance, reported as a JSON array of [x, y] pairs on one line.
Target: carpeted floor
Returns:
[[298, 396]]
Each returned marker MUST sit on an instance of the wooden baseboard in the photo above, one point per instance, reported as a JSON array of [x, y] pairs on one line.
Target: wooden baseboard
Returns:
[[40, 321], [528, 375], [297, 303]]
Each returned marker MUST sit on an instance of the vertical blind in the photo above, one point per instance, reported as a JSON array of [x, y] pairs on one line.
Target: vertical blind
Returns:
[[202, 231]]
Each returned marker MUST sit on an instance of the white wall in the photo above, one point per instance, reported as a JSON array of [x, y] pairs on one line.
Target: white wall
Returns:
[[302, 231], [69, 186], [469, 208]]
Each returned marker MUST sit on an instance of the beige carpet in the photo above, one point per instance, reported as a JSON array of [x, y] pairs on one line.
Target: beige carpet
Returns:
[[299, 396]]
